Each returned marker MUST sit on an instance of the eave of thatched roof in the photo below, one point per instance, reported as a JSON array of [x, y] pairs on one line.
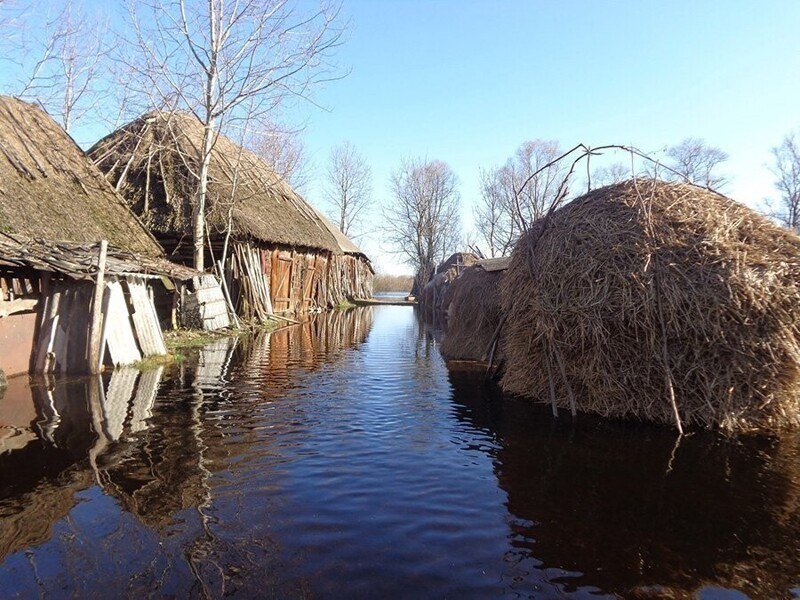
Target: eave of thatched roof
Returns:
[[78, 260], [344, 243], [49, 189], [153, 162]]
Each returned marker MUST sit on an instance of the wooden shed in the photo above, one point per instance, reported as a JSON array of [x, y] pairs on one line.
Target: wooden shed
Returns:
[[55, 209], [46, 305], [282, 255]]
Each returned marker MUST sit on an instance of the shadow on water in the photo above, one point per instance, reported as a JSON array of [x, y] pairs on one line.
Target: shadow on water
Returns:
[[633, 510]]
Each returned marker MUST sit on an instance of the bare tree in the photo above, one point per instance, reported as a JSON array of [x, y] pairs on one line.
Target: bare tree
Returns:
[[423, 219], [63, 68], [515, 195], [787, 171], [283, 150], [348, 186], [224, 61], [530, 187], [492, 219], [616, 172], [696, 162]]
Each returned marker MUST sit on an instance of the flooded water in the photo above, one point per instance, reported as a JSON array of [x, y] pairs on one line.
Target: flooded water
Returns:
[[341, 459]]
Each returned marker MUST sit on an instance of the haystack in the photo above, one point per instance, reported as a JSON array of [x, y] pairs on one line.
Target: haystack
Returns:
[[473, 312], [657, 301]]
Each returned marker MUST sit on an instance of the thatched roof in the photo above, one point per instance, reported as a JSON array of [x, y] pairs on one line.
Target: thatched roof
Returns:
[[344, 243], [490, 265], [49, 189], [153, 162], [645, 290]]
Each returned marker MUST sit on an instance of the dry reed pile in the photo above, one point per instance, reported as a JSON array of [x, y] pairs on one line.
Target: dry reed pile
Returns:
[[473, 314], [658, 301]]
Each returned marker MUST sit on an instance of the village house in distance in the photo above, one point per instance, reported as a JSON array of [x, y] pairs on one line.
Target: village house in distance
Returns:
[[282, 255]]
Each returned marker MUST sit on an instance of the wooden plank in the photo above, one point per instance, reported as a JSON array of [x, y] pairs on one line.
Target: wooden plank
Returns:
[[18, 306], [118, 331], [96, 325], [48, 321], [61, 331], [77, 355], [145, 320]]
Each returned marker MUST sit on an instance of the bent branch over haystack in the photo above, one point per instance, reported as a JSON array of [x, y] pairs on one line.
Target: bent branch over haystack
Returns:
[[658, 301]]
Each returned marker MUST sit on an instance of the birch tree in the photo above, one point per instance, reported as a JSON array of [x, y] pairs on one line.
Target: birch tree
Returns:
[[226, 60], [348, 180], [787, 172], [423, 221]]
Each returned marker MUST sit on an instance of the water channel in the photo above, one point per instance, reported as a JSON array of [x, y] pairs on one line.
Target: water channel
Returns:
[[341, 459]]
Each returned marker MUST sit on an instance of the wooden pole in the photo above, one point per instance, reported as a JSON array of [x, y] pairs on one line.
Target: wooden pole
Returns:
[[228, 301], [96, 326]]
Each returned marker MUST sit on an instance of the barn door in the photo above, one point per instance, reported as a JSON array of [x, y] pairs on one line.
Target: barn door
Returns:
[[280, 281]]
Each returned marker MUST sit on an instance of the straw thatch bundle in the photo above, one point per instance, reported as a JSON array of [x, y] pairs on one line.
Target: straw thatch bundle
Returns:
[[658, 301], [473, 314]]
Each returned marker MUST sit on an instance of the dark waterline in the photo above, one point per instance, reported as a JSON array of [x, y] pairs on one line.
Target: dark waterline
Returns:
[[341, 459]]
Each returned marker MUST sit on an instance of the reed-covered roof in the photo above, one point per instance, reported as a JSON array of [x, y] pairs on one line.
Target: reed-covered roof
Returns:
[[154, 161], [49, 188]]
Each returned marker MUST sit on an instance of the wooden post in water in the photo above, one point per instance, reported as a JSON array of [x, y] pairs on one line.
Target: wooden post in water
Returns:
[[96, 326]]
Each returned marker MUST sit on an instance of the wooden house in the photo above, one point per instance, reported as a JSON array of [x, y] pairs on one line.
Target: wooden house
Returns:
[[281, 256], [55, 210]]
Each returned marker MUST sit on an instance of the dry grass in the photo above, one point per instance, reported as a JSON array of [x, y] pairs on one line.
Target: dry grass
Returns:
[[473, 302], [432, 298], [657, 301]]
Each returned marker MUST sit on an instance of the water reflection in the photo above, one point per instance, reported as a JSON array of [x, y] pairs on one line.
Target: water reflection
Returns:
[[340, 458], [59, 441], [629, 510]]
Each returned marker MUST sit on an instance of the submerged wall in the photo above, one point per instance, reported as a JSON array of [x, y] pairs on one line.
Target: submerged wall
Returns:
[[17, 332]]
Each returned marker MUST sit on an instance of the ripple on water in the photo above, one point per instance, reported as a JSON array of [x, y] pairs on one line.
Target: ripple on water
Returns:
[[341, 459]]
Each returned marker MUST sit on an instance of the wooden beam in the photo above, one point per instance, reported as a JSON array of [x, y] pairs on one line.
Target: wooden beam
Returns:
[[96, 326]]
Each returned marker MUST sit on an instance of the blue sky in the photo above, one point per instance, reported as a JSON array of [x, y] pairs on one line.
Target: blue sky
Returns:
[[467, 82]]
